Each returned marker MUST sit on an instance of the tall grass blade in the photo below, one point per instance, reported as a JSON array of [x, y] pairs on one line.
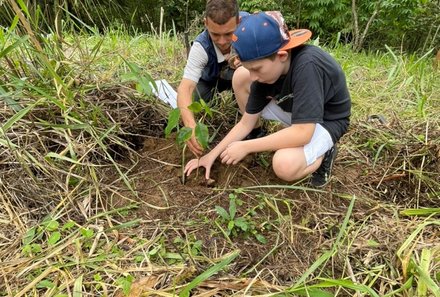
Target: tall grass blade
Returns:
[[327, 255], [425, 261], [16, 117], [208, 273], [421, 212], [13, 46], [77, 287], [428, 282]]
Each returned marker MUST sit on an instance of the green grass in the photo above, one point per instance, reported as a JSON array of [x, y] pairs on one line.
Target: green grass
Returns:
[[73, 221]]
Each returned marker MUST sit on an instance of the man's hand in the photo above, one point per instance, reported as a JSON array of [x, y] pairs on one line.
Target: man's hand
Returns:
[[194, 146], [205, 161], [234, 62], [234, 153]]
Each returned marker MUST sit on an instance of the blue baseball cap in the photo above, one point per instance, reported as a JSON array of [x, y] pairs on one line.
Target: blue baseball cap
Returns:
[[262, 34]]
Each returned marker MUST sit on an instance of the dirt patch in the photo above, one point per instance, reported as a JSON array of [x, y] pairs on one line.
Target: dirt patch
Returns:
[[298, 222]]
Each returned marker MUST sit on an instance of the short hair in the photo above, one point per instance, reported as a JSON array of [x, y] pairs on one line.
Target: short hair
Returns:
[[221, 11]]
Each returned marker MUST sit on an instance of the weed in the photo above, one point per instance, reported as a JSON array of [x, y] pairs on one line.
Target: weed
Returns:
[[238, 225]]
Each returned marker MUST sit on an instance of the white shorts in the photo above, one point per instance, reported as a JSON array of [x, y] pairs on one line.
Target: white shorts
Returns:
[[321, 140]]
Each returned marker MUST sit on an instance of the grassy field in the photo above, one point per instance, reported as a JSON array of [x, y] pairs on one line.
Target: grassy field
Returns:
[[92, 201]]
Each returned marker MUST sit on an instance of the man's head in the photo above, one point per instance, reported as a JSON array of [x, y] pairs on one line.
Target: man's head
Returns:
[[221, 19], [262, 41]]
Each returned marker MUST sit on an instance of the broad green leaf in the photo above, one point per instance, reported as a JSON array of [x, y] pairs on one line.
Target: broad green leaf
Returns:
[[206, 108], [222, 212], [195, 107], [51, 225], [173, 121], [242, 223], [261, 238], [68, 225], [54, 238], [87, 233], [184, 135], [202, 134]]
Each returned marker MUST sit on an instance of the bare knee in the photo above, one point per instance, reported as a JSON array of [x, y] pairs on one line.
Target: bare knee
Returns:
[[241, 83], [288, 165]]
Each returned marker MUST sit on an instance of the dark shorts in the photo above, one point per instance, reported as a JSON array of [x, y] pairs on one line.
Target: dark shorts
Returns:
[[206, 90]]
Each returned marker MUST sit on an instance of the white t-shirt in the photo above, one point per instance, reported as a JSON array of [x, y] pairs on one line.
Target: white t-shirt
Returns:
[[198, 59]]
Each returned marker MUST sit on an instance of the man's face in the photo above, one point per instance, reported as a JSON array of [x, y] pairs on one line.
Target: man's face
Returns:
[[266, 70], [221, 35]]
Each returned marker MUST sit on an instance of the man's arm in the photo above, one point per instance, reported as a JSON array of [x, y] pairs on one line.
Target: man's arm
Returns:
[[184, 99], [197, 60]]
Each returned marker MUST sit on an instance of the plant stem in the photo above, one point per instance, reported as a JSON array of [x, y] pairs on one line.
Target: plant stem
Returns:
[[183, 164]]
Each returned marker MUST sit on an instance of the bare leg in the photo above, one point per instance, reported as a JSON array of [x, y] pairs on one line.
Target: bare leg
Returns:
[[290, 164]]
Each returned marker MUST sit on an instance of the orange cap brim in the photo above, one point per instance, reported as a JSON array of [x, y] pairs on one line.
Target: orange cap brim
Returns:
[[297, 37]]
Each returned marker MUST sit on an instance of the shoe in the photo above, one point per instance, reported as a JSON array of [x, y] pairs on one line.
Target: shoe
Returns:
[[256, 133], [322, 175]]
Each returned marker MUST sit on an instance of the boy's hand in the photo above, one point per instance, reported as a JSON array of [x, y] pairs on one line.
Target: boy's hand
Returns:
[[234, 153], [205, 161]]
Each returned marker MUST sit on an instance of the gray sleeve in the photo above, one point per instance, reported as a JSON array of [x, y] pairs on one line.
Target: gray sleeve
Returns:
[[197, 60]]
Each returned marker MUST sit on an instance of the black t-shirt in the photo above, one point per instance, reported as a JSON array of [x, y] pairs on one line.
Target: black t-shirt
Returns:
[[314, 90]]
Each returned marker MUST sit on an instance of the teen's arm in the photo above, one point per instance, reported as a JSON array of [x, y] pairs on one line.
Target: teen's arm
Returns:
[[238, 132], [293, 136]]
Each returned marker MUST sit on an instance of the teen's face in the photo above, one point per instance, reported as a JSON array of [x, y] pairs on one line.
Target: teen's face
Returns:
[[221, 35], [266, 70]]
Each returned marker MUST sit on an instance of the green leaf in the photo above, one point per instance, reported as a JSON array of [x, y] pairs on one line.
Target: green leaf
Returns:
[[242, 223], [87, 233], [202, 134], [51, 225], [68, 225], [261, 238], [173, 121], [54, 238], [232, 208], [206, 108], [125, 283], [420, 212], [208, 273], [231, 225], [195, 107], [222, 212], [29, 236], [45, 284], [313, 293], [184, 135], [36, 248], [425, 280], [77, 287]]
